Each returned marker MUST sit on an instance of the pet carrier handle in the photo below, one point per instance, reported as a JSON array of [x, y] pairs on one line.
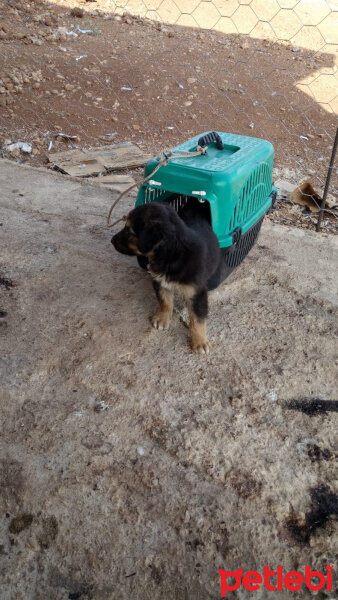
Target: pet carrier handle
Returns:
[[208, 138]]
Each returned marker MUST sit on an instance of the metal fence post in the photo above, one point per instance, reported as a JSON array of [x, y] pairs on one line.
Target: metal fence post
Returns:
[[327, 182]]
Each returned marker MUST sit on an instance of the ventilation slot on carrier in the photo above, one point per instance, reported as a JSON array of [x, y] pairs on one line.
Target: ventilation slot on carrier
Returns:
[[252, 196], [238, 252]]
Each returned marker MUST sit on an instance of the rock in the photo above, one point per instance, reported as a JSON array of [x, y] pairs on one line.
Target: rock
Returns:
[[69, 87], [77, 12], [284, 187], [15, 153], [36, 75], [62, 33], [35, 40], [191, 80], [23, 146], [19, 78], [50, 20], [188, 103]]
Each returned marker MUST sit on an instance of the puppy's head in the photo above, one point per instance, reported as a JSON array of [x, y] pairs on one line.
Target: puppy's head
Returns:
[[147, 228]]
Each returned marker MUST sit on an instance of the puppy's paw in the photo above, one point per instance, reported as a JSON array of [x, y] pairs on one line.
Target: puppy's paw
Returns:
[[201, 346], [161, 321]]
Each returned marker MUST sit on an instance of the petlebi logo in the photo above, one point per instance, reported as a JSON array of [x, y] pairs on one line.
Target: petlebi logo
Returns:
[[275, 580]]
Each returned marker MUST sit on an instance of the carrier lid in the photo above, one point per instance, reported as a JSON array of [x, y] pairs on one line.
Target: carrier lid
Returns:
[[237, 148]]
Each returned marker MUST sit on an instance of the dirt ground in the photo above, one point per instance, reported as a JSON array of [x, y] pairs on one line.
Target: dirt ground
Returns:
[[131, 468], [159, 83]]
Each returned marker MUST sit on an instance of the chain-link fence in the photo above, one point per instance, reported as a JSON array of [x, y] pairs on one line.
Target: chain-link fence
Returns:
[[157, 72]]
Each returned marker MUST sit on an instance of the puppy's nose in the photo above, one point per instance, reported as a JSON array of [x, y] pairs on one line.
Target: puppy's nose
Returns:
[[115, 242]]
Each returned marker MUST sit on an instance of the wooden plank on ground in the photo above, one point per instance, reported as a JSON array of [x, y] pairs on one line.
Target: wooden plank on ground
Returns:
[[84, 163], [119, 183]]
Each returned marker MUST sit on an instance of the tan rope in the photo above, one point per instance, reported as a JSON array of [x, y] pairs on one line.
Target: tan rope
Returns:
[[164, 159]]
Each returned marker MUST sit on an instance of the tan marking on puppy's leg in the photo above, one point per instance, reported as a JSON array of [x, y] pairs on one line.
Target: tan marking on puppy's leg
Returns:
[[162, 318], [198, 335], [197, 327]]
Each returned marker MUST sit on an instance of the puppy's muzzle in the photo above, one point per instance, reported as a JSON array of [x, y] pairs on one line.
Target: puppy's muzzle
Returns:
[[120, 242]]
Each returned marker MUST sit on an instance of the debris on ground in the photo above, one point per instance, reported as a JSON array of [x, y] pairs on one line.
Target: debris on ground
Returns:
[[118, 183], [91, 31], [23, 146], [72, 83], [65, 136], [297, 205], [305, 195], [77, 163], [84, 163]]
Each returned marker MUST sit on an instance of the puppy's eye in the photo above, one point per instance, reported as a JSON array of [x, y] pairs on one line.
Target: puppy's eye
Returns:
[[131, 230]]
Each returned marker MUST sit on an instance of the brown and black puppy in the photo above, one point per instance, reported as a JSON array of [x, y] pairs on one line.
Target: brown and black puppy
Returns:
[[182, 252]]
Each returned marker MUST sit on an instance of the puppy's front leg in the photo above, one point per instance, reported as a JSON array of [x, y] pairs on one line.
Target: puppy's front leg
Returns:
[[165, 297], [198, 312]]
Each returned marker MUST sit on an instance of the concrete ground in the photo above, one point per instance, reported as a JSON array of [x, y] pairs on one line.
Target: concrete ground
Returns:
[[131, 468]]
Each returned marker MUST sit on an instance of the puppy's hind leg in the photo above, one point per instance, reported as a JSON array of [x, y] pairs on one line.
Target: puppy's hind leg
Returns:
[[198, 311], [165, 297]]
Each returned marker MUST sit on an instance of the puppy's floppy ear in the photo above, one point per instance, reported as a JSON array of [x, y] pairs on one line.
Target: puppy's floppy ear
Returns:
[[149, 237]]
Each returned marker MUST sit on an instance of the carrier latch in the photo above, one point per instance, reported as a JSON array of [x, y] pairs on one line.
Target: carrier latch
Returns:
[[273, 197], [236, 235]]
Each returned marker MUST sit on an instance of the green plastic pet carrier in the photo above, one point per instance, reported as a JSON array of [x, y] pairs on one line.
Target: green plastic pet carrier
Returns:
[[234, 180]]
